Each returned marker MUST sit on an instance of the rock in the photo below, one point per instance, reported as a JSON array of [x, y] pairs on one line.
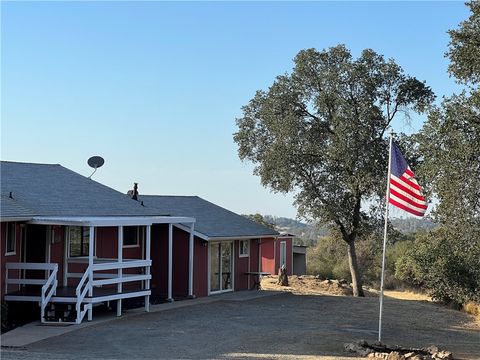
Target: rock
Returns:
[[409, 355], [362, 343], [395, 355], [443, 355], [432, 349], [352, 347], [371, 355], [416, 357]]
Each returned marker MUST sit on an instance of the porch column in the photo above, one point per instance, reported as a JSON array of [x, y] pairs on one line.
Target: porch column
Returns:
[[91, 242], [170, 253], [119, 271], [190, 261], [147, 270]]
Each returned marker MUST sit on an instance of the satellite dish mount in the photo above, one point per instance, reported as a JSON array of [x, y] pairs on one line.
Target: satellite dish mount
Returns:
[[95, 162]]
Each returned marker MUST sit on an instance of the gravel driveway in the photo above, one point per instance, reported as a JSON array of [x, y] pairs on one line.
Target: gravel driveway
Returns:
[[279, 327]]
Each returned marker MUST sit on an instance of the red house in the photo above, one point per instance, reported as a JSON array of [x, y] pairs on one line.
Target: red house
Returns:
[[69, 243]]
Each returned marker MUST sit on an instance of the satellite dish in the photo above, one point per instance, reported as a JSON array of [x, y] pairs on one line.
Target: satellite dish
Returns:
[[95, 162]]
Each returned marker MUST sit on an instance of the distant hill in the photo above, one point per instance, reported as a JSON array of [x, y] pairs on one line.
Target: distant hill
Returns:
[[413, 225], [308, 234]]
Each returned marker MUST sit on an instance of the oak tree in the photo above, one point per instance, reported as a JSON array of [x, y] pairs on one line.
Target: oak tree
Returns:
[[320, 132]]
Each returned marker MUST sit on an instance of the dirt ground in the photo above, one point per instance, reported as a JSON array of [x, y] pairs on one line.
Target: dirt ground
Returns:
[[287, 326]]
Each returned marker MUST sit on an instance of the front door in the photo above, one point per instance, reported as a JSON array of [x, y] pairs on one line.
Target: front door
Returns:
[[221, 266], [35, 249]]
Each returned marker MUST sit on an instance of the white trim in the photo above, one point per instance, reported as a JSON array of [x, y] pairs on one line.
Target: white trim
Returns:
[[232, 269], [240, 248], [15, 219], [191, 245], [170, 261], [284, 242], [109, 221], [246, 237], [14, 252], [139, 236], [68, 243], [196, 233]]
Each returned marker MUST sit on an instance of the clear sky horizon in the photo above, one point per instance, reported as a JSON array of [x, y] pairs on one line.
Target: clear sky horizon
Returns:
[[155, 87]]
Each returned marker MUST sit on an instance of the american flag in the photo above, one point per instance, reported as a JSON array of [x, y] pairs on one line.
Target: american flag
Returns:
[[404, 190]]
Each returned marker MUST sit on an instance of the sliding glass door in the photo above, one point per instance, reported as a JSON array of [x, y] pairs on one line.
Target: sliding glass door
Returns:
[[221, 266]]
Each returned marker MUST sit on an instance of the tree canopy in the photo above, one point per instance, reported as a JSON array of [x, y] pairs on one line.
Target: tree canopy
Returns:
[[447, 260], [320, 132]]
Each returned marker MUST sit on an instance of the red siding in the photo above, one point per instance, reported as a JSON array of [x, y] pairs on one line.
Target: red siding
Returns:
[[200, 268], [268, 255], [289, 244], [10, 258], [179, 264], [241, 267]]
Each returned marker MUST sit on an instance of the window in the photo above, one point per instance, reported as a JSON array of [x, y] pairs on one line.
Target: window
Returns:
[[132, 235], [244, 248], [79, 237], [11, 238]]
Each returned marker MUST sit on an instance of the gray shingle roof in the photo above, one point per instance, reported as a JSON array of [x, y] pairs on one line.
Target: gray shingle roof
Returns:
[[52, 190], [11, 209], [211, 220]]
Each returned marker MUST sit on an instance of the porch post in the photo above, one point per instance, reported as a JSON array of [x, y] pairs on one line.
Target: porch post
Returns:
[[91, 242], [190, 261], [170, 253], [119, 271], [147, 270]]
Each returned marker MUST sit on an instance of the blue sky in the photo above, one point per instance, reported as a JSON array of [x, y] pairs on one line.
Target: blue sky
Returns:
[[155, 87]]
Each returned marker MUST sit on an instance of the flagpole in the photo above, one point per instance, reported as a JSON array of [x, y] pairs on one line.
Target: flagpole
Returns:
[[387, 198]]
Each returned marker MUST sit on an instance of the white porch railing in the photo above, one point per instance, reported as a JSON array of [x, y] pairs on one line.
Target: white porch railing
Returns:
[[81, 296], [47, 294], [88, 281], [49, 285]]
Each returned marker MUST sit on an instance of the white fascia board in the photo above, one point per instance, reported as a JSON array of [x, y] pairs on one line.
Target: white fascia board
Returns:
[[249, 237], [93, 221], [109, 220], [196, 233], [15, 219], [173, 220]]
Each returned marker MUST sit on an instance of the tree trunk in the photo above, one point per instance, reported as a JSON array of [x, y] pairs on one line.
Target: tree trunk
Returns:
[[352, 262]]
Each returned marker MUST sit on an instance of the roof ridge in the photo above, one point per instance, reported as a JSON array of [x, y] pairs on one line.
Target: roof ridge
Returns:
[[28, 163], [185, 196]]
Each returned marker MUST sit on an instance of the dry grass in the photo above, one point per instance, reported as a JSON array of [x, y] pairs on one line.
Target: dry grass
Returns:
[[311, 285], [473, 309]]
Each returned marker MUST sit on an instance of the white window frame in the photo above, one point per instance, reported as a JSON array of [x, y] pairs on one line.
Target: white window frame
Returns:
[[14, 252], [81, 256], [283, 254], [139, 235], [240, 248]]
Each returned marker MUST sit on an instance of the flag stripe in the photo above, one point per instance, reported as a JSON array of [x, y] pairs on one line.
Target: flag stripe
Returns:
[[410, 191], [410, 182], [399, 197], [410, 200], [407, 203], [406, 208]]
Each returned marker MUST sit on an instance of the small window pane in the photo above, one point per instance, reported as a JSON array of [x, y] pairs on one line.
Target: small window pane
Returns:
[[244, 247], [132, 235], [79, 240]]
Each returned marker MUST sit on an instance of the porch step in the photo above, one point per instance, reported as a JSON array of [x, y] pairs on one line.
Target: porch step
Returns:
[[59, 313]]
